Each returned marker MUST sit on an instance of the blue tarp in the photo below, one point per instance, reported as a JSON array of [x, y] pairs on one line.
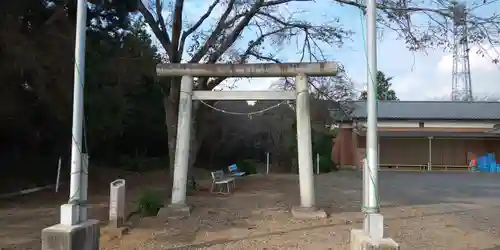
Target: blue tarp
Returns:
[[488, 163]]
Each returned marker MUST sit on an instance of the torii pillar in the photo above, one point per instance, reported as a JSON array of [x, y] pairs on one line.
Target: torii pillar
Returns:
[[301, 71]]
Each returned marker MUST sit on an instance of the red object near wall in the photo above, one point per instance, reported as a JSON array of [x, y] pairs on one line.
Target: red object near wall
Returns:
[[344, 150]]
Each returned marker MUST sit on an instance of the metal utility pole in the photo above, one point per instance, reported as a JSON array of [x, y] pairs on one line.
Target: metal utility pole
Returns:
[[373, 222], [78, 188]]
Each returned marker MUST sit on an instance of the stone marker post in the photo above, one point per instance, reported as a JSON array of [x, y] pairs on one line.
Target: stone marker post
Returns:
[[117, 203]]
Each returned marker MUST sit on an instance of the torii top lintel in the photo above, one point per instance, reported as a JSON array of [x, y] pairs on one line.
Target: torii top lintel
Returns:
[[248, 70]]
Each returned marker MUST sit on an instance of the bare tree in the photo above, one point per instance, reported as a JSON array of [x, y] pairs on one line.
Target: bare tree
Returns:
[[219, 43], [424, 24], [272, 28], [338, 88], [327, 94]]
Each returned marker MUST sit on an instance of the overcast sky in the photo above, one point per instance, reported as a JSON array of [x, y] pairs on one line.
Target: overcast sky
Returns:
[[417, 76]]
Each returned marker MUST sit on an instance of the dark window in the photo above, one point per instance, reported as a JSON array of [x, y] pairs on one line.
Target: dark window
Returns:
[[420, 124]]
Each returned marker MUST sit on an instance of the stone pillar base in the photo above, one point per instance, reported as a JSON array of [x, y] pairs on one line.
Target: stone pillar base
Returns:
[[305, 213], [173, 211], [84, 236], [361, 241]]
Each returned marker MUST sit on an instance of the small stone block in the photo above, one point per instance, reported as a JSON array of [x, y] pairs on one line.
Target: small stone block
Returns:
[[361, 241], [306, 213], [84, 236], [174, 211]]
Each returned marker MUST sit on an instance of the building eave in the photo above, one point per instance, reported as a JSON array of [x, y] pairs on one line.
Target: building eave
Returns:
[[417, 119], [417, 134]]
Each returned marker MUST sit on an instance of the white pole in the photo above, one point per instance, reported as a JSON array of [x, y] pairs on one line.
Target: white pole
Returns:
[[429, 166], [267, 162], [373, 222], [317, 163], [372, 137], [58, 174], [77, 128]]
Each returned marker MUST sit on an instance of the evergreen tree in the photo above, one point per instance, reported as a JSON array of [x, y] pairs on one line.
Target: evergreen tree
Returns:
[[384, 91]]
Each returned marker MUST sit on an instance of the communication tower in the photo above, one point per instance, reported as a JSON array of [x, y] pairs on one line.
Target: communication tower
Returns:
[[461, 78]]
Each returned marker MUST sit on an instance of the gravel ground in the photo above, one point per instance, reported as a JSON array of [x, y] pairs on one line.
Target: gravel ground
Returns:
[[422, 211], [22, 218]]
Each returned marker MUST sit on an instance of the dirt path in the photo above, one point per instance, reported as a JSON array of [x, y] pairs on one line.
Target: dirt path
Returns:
[[422, 211], [22, 218], [421, 216]]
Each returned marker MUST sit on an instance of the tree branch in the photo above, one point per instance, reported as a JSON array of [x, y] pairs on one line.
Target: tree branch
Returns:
[[443, 12], [160, 33], [231, 38], [176, 31], [221, 24], [200, 21], [313, 35], [244, 57], [278, 2], [159, 16], [398, 17], [236, 32]]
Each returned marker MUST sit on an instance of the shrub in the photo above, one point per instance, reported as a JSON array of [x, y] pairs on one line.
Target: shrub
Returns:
[[247, 166], [322, 145], [326, 164], [150, 203]]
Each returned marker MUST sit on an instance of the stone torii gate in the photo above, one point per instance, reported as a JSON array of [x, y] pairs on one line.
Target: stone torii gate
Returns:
[[301, 71]]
